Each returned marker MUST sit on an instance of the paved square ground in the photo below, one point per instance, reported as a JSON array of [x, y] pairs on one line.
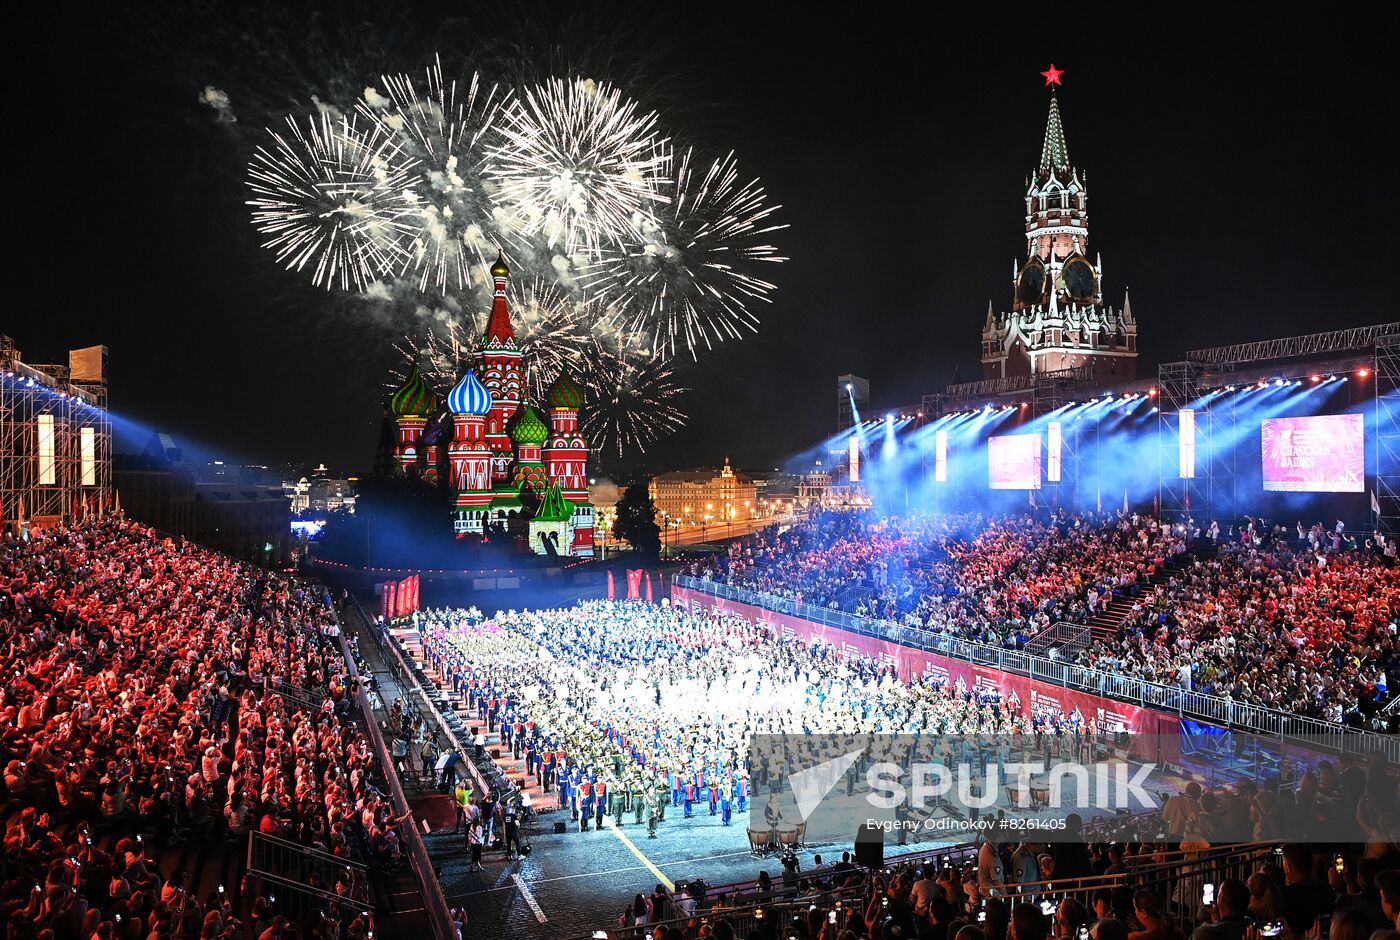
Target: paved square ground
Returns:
[[578, 882]]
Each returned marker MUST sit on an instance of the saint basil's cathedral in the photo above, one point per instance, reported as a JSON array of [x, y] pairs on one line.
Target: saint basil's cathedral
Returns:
[[511, 466]]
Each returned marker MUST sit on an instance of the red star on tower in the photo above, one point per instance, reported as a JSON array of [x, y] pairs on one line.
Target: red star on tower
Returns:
[[1052, 77]]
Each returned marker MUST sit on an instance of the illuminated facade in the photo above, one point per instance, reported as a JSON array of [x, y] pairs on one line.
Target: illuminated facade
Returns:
[[705, 497], [512, 467], [1058, 318]]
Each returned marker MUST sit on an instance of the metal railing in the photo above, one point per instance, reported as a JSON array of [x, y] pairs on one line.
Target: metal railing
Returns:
[[1212, 709], [419, 699], [1062, 633], [307, 874], [434, 903]]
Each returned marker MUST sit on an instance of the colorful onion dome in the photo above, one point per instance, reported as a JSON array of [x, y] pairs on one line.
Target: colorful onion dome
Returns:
[[529, 430], [564, 393], [500, 268], [469, 396], [415, 399]]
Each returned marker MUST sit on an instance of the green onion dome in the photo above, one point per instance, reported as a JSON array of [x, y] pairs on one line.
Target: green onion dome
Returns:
[[415, 399], [529, 430]]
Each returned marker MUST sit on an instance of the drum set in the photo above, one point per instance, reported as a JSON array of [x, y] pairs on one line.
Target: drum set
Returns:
[[777, 840]]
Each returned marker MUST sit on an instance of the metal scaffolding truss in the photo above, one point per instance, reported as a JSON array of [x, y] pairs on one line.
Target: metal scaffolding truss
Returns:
[[1177, 384], [1208, 492], [1387, 467], [1050, 392], [1292, 347], [55, 442]]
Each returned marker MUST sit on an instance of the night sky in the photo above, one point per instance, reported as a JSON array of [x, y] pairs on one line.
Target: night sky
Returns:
[[1235, 177]]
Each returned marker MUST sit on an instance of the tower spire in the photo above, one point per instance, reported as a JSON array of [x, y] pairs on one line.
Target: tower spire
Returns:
[[1055, 154]]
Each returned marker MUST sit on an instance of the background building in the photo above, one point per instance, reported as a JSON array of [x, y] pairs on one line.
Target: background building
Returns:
[[513, 466], [230, 508], [705, 497], [320, 493]]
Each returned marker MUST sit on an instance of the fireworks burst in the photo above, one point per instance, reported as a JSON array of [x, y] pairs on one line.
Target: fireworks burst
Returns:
[[331, 196], [576, 162], [442, 352], [443, 132], [631, 401], [690, 281], [552, 329]]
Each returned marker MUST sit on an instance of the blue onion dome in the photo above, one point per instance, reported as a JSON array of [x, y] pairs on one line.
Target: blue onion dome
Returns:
[[469, 396], [415, 399]]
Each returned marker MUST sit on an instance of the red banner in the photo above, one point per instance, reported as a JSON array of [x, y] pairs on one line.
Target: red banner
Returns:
[[407, 596], [387, 607], [1032, 696], [611, 589], [634, 584]]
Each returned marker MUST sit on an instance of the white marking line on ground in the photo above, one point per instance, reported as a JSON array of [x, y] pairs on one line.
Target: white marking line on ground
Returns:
[[685, 860], [529, 898]]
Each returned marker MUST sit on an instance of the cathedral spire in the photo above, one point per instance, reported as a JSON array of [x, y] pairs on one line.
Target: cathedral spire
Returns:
[[499, 331], [1055, 154]]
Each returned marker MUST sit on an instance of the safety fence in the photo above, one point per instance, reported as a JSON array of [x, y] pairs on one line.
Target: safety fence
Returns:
[[299, 881], [1212, 709], [434, 904]]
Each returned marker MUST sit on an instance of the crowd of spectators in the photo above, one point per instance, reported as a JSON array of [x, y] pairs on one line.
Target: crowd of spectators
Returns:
[[1039, 891], [154, 693], [993, 579], [1301, 619]]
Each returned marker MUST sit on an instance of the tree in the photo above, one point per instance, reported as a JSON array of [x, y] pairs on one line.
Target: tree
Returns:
[[636, 521]]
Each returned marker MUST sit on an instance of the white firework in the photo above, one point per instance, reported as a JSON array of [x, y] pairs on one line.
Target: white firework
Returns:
[[630, 401], [331, 196], [442, 128], [575, 163], [689, 282], [552, 329]]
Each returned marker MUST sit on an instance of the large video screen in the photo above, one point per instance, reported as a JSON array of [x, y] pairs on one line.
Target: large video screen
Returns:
[[1013, 462], [1320, 454]]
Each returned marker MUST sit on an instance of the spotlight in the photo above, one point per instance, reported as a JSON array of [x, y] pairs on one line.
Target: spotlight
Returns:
[[1025, 404], [1362, 373], [1152, 391], [1316, 378], [848, 386]]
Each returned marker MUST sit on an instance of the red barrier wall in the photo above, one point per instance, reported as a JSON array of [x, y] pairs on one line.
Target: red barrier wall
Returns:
[[1031, 694]]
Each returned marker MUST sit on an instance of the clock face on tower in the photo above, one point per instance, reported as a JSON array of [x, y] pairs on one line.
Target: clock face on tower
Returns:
[[1079, 279], [1030, 286]]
